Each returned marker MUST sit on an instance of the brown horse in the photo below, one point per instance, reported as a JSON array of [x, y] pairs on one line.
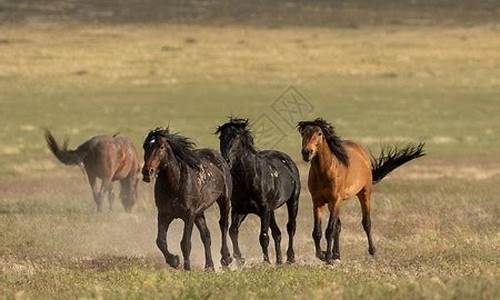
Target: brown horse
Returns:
[[187, 182], [341, 169], [110, 158]]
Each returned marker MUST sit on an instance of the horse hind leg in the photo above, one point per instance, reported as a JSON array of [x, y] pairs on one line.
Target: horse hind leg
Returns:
[[111, 196], [95, 193], [364, 199], [224, 208], [293, 207], [105, 186], [276, 233]]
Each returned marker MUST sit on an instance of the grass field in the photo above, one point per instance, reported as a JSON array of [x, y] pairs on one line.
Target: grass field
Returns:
[[435, 220]]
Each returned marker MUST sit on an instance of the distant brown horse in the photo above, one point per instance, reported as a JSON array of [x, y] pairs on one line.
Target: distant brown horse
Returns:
[[341, 169], [110, 158]]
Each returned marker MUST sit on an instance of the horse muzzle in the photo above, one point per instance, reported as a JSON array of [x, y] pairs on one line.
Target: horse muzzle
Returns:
[[146, 178], [307, 155], [147, 174]]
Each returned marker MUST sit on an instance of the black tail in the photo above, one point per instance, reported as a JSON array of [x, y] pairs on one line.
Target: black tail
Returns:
[[391, 157], [67, 157]]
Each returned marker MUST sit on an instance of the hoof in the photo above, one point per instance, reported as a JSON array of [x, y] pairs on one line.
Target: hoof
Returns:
[[240, 261], [321, 255], [226, 261], [210, 268], [290, 260], [333, 261], [372, 251], [173, 261]]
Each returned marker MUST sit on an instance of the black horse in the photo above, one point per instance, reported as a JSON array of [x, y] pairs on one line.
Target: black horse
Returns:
[[188, 182], [263, 181]]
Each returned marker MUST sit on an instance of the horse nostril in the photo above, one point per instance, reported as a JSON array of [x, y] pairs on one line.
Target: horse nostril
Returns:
[[306, 152]]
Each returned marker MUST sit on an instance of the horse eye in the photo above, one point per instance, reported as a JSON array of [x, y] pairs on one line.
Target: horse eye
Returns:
[[162, 147], [320, 133]]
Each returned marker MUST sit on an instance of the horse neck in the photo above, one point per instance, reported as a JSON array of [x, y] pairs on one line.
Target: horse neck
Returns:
[[172, 172], [242, 155], [325, 160]]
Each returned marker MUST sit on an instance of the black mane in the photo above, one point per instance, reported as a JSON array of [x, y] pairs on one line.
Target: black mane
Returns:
[[182, 147], [239, 127], [334, 142]]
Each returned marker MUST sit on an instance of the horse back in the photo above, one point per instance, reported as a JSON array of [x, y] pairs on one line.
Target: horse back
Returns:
[[357, 154], [112, 157], [357, 175], [282, 161], [285, 174], [214, 157]]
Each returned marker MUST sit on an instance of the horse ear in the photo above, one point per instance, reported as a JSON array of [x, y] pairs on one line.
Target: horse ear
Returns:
[[300, 127]]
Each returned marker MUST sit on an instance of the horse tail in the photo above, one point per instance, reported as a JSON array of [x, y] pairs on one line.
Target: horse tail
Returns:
[[67, 157], [391, 158]]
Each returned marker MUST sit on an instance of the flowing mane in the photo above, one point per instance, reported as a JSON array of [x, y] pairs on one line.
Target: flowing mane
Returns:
[[334, 141], [182, 147], [240, 127]]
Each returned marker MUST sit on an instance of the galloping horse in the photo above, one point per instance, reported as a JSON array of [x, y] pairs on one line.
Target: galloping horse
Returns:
[[188, 182], [339, 170], [263, 181], [110, 158]]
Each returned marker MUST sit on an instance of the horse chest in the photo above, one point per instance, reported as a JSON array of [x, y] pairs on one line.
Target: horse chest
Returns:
[[325, 186]]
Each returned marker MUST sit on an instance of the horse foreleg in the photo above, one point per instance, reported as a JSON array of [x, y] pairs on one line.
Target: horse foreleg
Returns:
[[236, 219], [265, 220], [316, 234], [330, 231], [201, 224], [224, 225], [336, 240], [104, 188], [275, 231], [161, 241], [186, 241]]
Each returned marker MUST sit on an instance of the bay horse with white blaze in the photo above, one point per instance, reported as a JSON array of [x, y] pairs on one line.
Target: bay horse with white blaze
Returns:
[[188, 181], [263, 181], [109, 158], [341, 169]]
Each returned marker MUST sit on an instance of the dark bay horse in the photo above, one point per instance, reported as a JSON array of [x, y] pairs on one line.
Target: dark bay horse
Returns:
[[188, 181], [263, 181], [341, 169], [109, 158]]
